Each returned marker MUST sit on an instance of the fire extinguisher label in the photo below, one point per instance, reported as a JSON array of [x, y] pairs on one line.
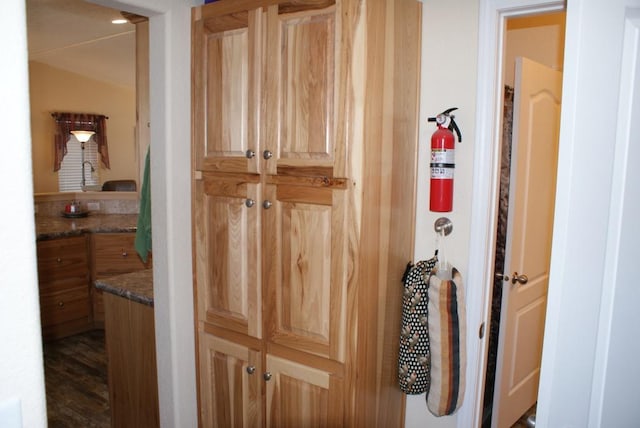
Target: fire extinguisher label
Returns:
[[441, 173], [443, 156], [442, 164]]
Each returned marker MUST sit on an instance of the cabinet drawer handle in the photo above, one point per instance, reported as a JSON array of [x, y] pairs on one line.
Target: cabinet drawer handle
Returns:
[[250, 154], [251, 369], [249, 203], [124, 253], [267, 204], [267, 154], [267, 376], [61, 304]]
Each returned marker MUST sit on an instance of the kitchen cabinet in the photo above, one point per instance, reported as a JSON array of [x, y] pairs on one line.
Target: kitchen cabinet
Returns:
[[113, 254], [304, 145], [131, 356], [63, 278]]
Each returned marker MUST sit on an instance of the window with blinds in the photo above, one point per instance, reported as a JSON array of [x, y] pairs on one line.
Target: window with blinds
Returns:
[[70, 173]]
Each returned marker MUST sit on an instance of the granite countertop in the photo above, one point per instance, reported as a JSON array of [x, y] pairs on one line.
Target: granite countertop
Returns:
[[51, 227], [136, 286]]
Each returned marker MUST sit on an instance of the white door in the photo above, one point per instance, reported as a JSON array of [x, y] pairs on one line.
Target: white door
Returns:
[[536, 125], [590, 373]]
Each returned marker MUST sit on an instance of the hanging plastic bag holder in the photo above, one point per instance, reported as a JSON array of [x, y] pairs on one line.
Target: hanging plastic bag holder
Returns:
[[443, 227]]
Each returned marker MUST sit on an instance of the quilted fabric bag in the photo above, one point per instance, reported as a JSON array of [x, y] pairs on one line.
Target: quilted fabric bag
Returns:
[[413, 360], [447, 336]]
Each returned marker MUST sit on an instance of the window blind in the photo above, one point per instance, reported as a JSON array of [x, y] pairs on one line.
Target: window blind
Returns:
[[70, 173]]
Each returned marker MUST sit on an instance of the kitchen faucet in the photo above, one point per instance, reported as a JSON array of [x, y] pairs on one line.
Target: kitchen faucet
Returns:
[[83, 178]]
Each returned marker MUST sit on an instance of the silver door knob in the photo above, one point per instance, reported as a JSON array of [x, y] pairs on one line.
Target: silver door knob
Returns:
[[249, 203], [267, 154], [267, 204], [267, 376], [522, 279], [249, 154], [251, 369]]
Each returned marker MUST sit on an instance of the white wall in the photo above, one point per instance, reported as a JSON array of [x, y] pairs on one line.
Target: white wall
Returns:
[[170, 65], [21, 369], [170, 107], [449, 64]]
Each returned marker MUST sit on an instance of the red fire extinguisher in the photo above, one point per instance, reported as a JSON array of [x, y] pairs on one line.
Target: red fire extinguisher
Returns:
[[443, 161]]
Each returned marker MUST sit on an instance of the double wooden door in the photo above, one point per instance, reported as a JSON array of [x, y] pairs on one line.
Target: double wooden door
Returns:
[[269, 216]]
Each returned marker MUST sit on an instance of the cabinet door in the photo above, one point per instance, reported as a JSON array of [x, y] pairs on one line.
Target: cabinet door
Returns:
[[299, 396], [115, 253], [302, 92], [226, 89], [227, 255], [305, 248], [230, 384]]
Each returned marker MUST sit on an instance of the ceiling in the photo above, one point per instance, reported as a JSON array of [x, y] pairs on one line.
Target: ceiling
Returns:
[[78, 36]]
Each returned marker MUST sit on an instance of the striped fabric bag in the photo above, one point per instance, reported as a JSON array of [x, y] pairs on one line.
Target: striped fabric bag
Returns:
[[447, 335]]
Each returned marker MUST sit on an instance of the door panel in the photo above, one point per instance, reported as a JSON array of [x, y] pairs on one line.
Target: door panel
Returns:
[[305, 243], [227, 242], [226, 91], [301, 91], [299, 396], [529, 233], [230, 383]]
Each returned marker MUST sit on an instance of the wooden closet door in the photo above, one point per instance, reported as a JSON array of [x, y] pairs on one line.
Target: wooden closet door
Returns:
[[227, 234], [231, 380], [305, 247], [226, 90], [301, 90], [300, 396]]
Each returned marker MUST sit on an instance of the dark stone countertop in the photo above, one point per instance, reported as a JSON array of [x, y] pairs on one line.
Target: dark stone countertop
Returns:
[[136, 286], [52, 227]]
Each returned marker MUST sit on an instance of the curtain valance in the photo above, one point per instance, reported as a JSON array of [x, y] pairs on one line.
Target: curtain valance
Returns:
[[67, 122]]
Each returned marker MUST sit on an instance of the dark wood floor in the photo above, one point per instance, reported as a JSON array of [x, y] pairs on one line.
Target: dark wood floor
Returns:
[[76, 381]]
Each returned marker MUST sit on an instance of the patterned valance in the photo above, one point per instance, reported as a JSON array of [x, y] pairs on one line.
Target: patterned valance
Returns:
[[67, 122]]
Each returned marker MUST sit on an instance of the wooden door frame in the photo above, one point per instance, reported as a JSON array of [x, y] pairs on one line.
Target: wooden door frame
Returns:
[[486, 180]]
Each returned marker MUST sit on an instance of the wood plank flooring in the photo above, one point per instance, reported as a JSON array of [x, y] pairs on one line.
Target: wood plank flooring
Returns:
[[76, 381]]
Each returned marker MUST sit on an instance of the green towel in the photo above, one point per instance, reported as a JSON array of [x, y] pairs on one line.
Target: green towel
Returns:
[[143, 232]]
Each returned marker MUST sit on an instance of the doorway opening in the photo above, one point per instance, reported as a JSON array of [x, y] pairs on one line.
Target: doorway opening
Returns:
[[79, 60], [539, 37]]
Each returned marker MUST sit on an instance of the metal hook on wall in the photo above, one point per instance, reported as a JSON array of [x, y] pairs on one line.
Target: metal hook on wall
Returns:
[[443, 226]]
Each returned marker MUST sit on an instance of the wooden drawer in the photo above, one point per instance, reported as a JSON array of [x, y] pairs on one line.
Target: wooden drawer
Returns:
[[62, 307], [62, 264], [115, 253]]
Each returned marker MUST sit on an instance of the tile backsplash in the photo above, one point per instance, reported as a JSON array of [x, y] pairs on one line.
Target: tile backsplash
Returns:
[[53, 206]]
